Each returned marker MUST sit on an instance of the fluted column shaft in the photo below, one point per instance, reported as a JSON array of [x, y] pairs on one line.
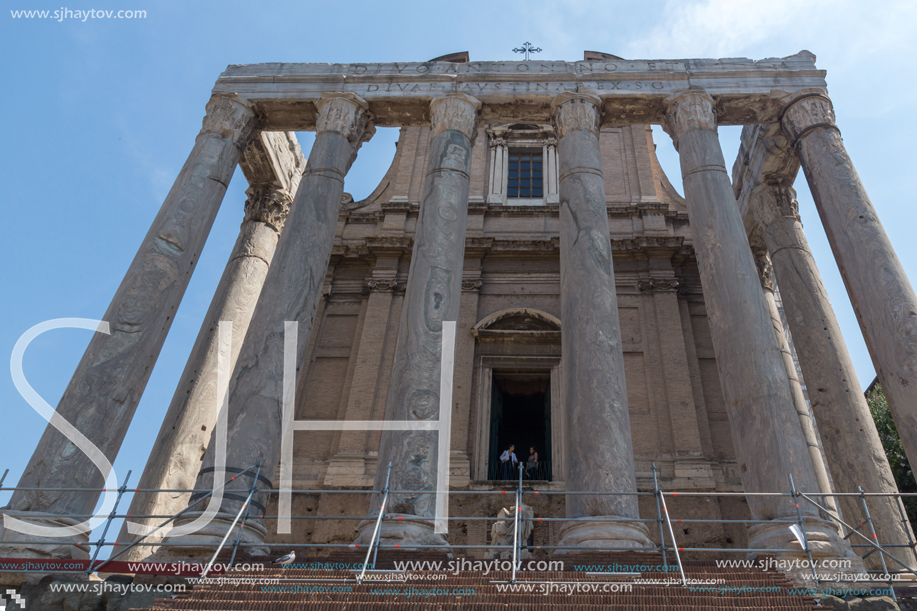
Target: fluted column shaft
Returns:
[[432, 296], [768, 441], [600, 454], [185, 432], [851, 443], [109, 381], [291, 292], [881, 294]]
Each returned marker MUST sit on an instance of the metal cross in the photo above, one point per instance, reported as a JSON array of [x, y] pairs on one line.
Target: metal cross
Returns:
[[527, 48]]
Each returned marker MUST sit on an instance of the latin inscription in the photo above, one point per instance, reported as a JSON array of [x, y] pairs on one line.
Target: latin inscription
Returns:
[[510, 67], [478, 88]]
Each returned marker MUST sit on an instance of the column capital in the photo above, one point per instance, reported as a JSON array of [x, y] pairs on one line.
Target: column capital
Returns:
[[688, 111], [762, 260], [471, 285], [572, 110], [805, 113], [345, 113], [456, 111], [268, 204], [232, 117], [498, 142], [770, 202], [382, 285]]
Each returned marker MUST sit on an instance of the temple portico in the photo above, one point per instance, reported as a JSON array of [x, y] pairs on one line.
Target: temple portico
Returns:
[[602, 320]]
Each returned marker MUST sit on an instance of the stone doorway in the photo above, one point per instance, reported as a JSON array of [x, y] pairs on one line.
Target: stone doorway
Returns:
[[520, 414]]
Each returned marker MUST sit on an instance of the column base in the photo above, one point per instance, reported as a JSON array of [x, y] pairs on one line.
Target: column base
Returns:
[[202, 544], [587, 533], [74, 546], [834, 559], [404, 531]]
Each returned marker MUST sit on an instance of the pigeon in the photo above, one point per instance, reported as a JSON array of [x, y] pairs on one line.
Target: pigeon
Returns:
[[286, 559]]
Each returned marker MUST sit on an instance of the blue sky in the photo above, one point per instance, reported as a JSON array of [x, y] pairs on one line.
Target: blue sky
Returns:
[[101, 114]]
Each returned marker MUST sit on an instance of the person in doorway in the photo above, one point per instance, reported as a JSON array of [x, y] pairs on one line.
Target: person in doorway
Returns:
[[508, 462], [531, 466]]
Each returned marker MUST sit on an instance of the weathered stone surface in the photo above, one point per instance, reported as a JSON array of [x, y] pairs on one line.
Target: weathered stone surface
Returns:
[[882, 296], [765, 270], [632, 91], [432, 297], [503, 530], [291, 292], [851, 443], [600, 452], [185, 433], [769, 443], [109, 381]]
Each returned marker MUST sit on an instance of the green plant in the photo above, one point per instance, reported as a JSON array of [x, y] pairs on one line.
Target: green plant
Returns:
[[894, 449]]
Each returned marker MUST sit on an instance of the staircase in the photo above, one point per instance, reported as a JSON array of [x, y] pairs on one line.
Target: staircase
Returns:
[[475, 591]]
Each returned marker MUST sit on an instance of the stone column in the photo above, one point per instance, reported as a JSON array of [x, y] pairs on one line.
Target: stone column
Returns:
[[882, 296], [851, 442], [550, 176], [599, 451], [292, 290], [109, 381], [185, 432], [432, 297], [498, 164], [806, 425], [768, 441]]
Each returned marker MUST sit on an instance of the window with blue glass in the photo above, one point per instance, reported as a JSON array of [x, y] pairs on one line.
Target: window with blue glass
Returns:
[[525, 174]]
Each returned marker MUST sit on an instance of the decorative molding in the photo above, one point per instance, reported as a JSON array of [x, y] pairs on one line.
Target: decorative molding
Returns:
[[456, 111], [806, 113], [576, 110], [267, 204], [498, 142], [471, 284], [770, 202], [381, 285], [231, 117], [688, 111], [658, 284], [345, 113]]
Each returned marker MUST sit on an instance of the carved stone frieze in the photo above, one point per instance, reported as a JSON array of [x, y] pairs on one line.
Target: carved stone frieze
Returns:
[[471, 284], [689, 111], [772, 202], [658, 284], [576, 110], [231, 117], [806, 113], [456, 111], [381, 285], [267, 204], [347, 114]]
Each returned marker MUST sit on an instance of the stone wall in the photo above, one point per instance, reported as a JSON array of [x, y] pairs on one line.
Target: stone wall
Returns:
[[677, 412]]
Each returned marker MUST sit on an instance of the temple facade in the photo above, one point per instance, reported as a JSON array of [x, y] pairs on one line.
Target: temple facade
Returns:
[[524, 275]]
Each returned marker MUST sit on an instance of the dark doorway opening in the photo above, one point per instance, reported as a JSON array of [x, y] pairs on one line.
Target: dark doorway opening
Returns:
[[520, 414]]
